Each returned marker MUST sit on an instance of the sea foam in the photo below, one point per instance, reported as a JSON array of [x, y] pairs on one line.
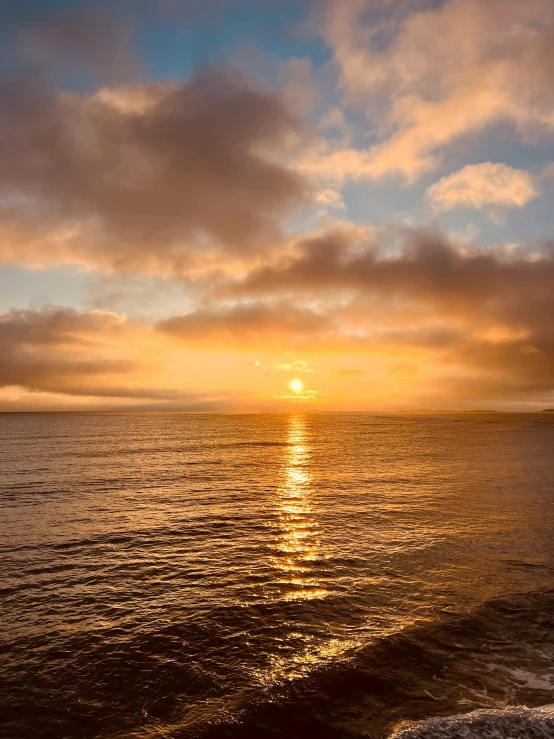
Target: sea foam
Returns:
[[518, 722]]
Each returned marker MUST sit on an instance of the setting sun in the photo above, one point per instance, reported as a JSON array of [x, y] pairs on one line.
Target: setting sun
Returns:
[[296, 385]]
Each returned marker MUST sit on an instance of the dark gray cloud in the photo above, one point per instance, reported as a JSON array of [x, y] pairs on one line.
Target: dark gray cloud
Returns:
[[57, 350], [90, 42], [141, 178], [75, 42], [428, 268], [104, 170]]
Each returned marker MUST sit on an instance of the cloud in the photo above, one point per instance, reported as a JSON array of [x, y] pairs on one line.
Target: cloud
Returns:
[[62, 358], [249, 326], [205, 179], [298, 85], [430, 74], [482, 185], [464, 325], [144, 178], [297, 365], [65, 351], [415, 263], [92, 41], [484, 315]]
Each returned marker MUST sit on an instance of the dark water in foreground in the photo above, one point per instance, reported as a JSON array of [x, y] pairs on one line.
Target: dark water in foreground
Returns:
[[263, 576]]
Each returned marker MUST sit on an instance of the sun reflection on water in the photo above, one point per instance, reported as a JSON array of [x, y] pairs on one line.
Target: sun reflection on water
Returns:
[[299, 544], [301, 561]]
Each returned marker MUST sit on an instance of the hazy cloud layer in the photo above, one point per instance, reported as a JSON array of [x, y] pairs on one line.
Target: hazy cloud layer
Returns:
[[58, 351], [251, 326], [479, 323], [485, 312]]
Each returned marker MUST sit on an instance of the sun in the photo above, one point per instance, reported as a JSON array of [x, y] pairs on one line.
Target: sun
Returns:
[[296, 385]]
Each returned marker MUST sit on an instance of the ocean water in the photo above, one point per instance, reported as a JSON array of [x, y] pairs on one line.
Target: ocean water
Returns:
[[329, 575]]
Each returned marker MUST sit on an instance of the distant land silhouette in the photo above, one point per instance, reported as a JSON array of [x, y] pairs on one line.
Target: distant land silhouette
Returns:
[[451, 410]]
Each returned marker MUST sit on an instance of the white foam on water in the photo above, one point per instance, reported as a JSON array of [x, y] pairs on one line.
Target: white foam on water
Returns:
[[516, 722]]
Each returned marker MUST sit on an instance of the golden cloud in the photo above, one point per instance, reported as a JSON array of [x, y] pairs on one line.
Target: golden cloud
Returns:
[[429, 76], [482, 185]]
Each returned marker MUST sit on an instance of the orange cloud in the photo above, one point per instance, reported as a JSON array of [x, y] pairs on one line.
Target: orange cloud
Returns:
[[249, 326], [466, 324], [62, 358], [480, 185], [486, 312]]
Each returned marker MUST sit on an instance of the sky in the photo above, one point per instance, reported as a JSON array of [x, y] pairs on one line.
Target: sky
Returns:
[[202, 202]]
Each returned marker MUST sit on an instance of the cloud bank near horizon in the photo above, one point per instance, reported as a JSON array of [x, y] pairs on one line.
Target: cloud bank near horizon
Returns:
[[243, 190]]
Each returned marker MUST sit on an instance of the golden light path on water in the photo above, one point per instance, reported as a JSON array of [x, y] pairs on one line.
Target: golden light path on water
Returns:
[[299, 541], [302, 552]]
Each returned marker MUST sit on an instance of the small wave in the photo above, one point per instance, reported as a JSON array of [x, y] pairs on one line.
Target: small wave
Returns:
[[498, 655]]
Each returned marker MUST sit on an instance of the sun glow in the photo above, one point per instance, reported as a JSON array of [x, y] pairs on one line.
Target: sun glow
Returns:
[[296, 385]]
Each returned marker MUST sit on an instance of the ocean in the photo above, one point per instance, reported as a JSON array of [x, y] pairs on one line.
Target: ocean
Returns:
[[329, 575]]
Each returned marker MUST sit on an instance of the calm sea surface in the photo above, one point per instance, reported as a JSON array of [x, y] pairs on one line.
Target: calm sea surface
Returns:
[[167, 575]]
